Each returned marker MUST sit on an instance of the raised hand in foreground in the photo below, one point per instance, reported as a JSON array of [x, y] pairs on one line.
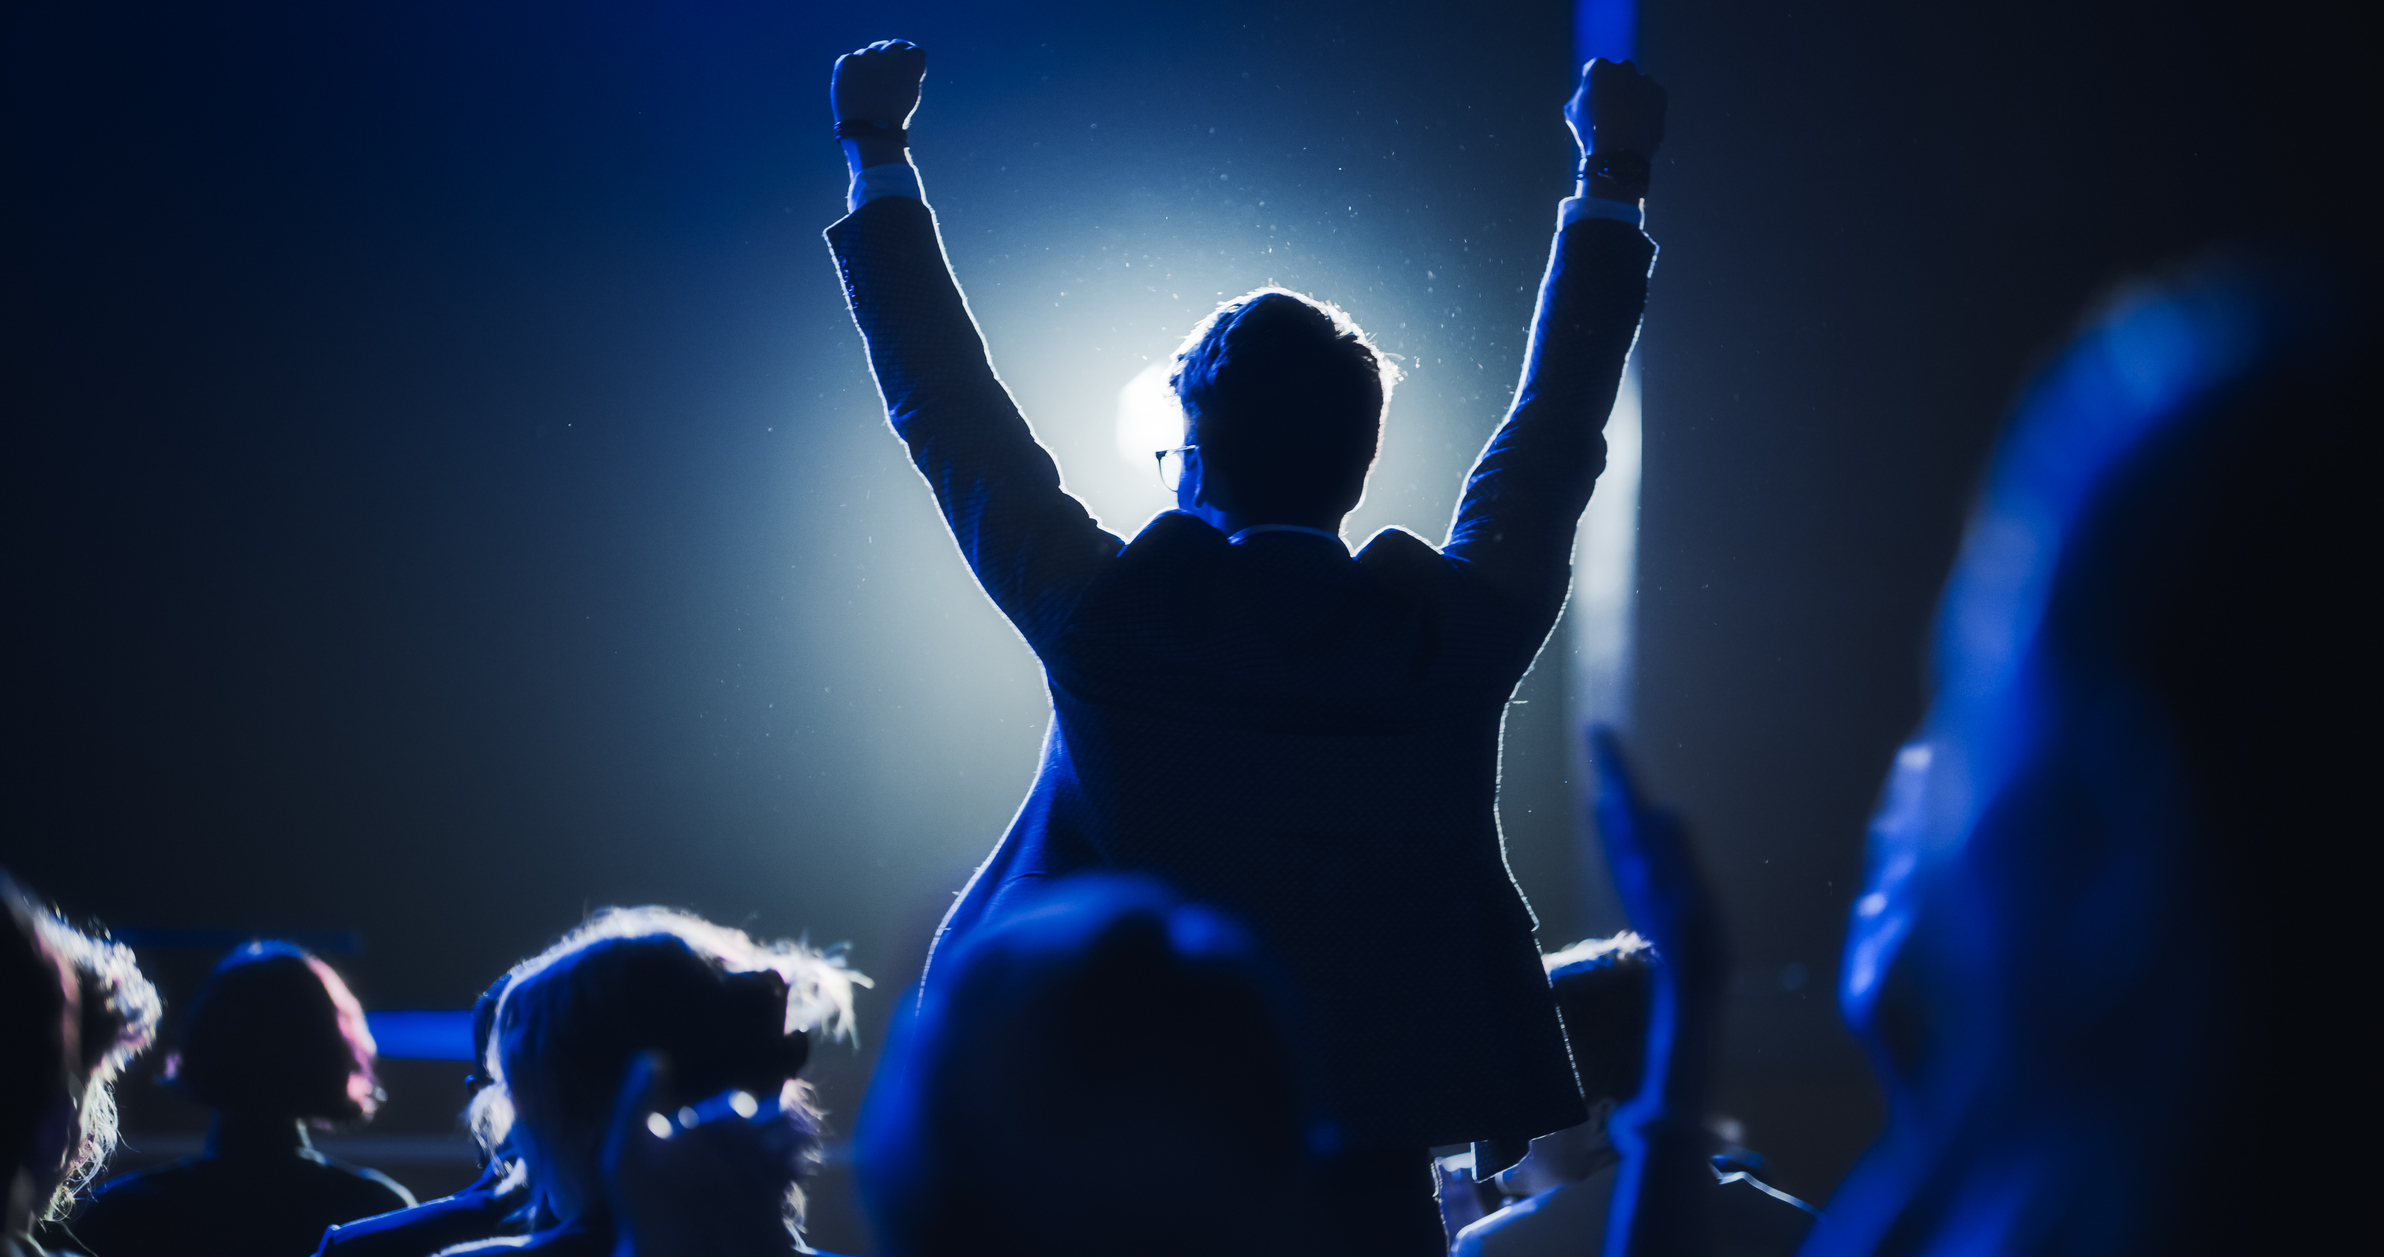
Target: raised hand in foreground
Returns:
[[1662, 1186]]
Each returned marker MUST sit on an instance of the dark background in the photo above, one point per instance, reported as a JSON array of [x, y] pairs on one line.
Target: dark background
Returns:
[[445, 493]]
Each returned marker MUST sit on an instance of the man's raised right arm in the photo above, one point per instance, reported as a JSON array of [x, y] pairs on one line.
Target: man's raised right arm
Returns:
[[1032, 546]]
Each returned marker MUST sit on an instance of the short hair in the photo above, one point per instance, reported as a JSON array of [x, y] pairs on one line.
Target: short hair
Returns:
[[725, 1010], [275, 1031], [1108, 1041], [1604, 990], [114, 1010], [1284, 395]]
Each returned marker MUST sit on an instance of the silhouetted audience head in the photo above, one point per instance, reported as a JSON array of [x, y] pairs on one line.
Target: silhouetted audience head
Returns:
[[274, 1043], [1284, 396], [1604, 988], [1108, 1070], [78, 1010], [723, 1010], [2104, 955], [275, 1033]]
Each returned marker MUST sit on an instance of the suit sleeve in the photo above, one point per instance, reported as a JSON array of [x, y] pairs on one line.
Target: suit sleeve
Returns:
[[1514, 525], [1032, 547]]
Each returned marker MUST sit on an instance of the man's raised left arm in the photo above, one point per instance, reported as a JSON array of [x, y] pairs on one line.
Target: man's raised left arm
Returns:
[[1032, 547], [1514, 524]]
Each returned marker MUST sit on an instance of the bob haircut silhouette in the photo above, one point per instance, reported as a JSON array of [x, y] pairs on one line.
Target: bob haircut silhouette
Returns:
[[1105, 1058], [1284, 395], [78, 1012], [724, 1011], [1605, 989], [275, 1032]]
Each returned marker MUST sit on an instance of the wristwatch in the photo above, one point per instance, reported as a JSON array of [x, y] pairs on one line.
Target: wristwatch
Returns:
[[1626, 172]]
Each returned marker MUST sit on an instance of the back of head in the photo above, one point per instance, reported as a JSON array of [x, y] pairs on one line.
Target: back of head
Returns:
[[79, 1010], [1604, 989], [1107, 1071], [1285, 397], [275, 1032], [723, 1010], [2102, 948]]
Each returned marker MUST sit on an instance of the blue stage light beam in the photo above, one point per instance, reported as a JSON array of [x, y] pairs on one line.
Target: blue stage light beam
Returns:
[[1606, 566], [1606, 553], [439, 1034], [1605, 28]]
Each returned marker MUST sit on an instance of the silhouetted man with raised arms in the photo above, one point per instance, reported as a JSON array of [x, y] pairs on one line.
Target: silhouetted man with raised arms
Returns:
[[1306, 737]]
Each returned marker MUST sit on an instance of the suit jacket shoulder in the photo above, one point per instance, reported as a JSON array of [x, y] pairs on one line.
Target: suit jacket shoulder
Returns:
[[1288, 629]]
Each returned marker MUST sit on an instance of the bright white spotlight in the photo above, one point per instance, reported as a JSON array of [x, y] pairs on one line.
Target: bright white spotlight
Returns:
[[1149, 418], [1606, 572], [1605, 586]]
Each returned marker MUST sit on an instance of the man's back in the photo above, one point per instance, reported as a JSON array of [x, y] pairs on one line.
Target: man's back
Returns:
[[1310, 740]]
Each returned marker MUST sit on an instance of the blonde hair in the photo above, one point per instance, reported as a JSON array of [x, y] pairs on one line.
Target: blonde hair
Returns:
[[120, 1011]]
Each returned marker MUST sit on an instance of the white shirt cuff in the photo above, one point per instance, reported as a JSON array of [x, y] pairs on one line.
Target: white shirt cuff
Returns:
[[1575, 208], [898, 178]]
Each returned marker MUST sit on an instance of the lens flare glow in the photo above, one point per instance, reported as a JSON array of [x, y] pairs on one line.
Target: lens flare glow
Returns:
[[1149, 418]]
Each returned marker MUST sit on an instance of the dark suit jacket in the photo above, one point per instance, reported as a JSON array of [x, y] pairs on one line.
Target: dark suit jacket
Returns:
[[1305, 738]]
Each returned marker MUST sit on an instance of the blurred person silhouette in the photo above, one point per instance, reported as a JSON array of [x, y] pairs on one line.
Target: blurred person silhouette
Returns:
[[718, 1011], [1301, 736], [1106, 1070], [78, 1011], [1605, 992], [274, 1044], [497, 1203], [2106, 957]]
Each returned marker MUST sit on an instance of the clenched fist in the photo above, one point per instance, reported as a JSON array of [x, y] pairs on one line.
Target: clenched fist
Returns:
[[1618, 115], [879, 83]]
